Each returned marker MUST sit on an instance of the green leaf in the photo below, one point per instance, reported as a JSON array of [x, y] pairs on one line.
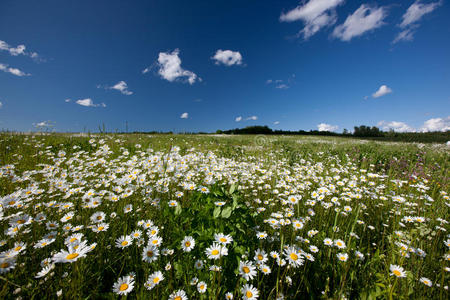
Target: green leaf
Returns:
[[178, 210], [216, 212], [232, 188], [226, 212]]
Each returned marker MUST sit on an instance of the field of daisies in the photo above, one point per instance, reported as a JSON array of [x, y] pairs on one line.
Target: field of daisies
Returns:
[[222, 217]]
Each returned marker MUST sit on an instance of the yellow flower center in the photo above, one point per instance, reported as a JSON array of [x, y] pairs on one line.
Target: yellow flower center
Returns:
[[72, 240], [249, 294], [155, 242], [149, 253], [99, 217], [72, 256], [246, 269], [215, 252], [397, 273], [124, 243], [4, 265], [178, 298], [294, 256], [156, 280], [223, 240], [187, 244], [123, 287], [17, 248], [260, 257], [20, 221], [101, 228]]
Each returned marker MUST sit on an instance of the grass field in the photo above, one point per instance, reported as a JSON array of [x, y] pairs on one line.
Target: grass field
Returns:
[[222, 217]]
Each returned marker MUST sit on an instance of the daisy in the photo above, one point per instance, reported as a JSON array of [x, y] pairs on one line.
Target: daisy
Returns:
[[223, 239], [136, 234], [261, 235], [100, 227], [260, 256], [153, 231], [198, 264], [154, 279], [340, 244], [188, 243], [229, 296], [293, 256], [178, 295], [265, 269], [216, 251], [7, 264], [45, 271], [397, 271], [297, 224], [426, 281], [128, 208], [249, 292], [73, 253], [328, 242], [124, 241], [98, 217], [155, 241], [150, 253], [124, 285], [342, 256], [201, 287], [247, 270]]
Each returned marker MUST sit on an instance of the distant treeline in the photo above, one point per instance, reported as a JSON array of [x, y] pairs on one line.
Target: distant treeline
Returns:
[[359, 131]]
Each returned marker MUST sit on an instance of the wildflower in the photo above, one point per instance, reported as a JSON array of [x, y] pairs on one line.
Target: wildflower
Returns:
[[73, 253], [201, 287], [155, 241], [45, 271], [98, 217], [247, 270], [397, 271], [198, 264], [249, 292], [342, 256], [128, 208], [100, 227], [340, 244], [154, 279], [228, 296], [150, 253], [188, 243], [265, 269], [136, 234], [293, 257], [261, 235], [223, 239], [328, 242], [194, 281], [7, 264], [178, 295], [426, 281], [216, 251], [124, 285], [260, 256], [124, 241]]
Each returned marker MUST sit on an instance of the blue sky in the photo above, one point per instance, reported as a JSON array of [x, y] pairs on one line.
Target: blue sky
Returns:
[[208, 65]]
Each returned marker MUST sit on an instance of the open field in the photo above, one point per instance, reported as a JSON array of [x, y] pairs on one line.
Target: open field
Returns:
[[222, 217]]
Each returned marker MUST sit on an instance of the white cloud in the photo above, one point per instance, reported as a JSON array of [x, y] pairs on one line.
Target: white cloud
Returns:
[[67, 100], [184, 115], [146, 70], [227, 57], [315, 14], [19, 50], [364, 19], [282, 86], [436, 124], [327, 127], [416, 11], [404, 35], [43, 124], [253, 118], [383, 90], [238, 119], [395, 126], [410, 18], [89, 103], [276, 122], [122, 87], [170, 67], [14, 71], [1, 104], [268, 81]]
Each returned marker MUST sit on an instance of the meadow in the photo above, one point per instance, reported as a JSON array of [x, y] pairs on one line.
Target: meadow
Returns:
[[182, 217]]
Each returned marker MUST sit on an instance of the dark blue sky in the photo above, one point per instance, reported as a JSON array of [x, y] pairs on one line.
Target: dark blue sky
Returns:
[[302, 64]]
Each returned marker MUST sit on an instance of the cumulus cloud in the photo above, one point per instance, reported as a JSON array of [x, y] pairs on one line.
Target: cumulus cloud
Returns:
[[410, 18], [383, 90], [44, 124], [89, 103], [238, 119], [395, 126], [184, 115], [364, 19], [327, 127], [14, 71], [282, 86], [121, 86], [253, 118], [170, 68], [19, 50], [315, 15], [227, 57], [436, 124], [276, 122]]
